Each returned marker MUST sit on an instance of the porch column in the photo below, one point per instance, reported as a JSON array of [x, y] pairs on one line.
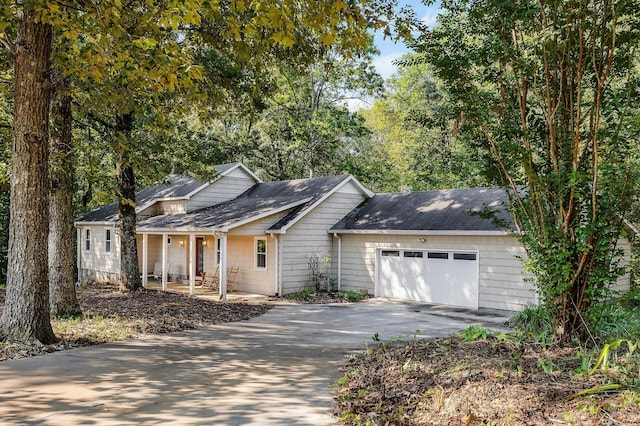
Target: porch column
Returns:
[[339, 261], [145, 266], [276, 264], [192, 264], [164, 262], [223, 265]]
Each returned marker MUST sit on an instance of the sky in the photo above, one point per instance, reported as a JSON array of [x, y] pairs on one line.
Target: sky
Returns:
[[389, 51]]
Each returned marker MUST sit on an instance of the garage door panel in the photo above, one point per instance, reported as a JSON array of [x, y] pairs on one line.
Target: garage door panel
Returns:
[[437, 271], [443, 277], [396, 271]]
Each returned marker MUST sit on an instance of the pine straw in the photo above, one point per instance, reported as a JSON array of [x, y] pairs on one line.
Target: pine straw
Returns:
[[109, 315], [494, 382]]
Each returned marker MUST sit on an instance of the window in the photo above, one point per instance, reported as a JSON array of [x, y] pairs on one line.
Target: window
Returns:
[[437, 255], [261, 253], [391, 253], [464, 256], [87, 239], [218, 250], [413, 254], [168, 241], [107, 240]]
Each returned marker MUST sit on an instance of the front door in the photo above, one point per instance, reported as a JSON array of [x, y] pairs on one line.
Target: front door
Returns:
[[199, 256]]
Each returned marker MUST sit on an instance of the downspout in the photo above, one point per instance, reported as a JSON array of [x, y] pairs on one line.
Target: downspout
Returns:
[[336, 235], [277, 289]]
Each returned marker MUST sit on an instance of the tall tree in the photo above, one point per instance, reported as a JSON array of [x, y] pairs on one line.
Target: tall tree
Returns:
[[62, 293], [26, 313], [414, 143], [6, 82], [548, 89], [304, 127]]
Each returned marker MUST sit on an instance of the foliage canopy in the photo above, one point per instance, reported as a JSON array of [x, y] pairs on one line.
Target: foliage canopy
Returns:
[[549, 91]]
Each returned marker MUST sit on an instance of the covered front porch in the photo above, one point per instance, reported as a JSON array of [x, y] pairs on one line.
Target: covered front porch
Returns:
[[228, 262], [180, 260]]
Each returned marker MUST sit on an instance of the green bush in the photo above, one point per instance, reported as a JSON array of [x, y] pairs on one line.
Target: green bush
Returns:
[[617, 318], [307, 292], [353, 295], [534, 319]]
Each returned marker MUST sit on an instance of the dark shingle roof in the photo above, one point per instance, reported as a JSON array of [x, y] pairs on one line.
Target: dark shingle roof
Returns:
[[260, 200], [174, 186], [446, 210]]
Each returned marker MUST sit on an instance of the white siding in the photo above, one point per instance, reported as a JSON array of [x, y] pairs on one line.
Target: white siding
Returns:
[[501, 286], [224, 189], [624, 281], [309, 237], [96, 263]]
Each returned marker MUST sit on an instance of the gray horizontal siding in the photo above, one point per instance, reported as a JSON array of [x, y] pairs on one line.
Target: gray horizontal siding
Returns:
[[224, 189], [309, 237], [501, 285]]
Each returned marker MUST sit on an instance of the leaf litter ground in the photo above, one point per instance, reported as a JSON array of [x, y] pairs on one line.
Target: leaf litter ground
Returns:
[[110, 315], [450, 381]]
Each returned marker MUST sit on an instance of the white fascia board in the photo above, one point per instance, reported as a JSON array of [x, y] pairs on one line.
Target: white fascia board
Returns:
[[348, 179], [173, 231], [220, 175], [245, 168], [76, 224], [360, 186], [417, 232]]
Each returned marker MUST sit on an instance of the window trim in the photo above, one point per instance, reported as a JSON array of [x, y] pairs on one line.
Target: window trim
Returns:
[[257, 254], [108, 242], [87, 239], [218, 250]]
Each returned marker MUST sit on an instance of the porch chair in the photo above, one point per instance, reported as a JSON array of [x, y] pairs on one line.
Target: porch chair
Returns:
[[232, 274], [211, 280], [157, 271]]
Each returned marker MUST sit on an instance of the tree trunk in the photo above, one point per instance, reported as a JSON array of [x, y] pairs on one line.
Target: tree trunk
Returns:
[[62, 290], [129, 271], [26, 312]]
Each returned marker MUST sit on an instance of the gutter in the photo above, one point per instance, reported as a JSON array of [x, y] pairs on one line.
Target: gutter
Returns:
[[416, 232]]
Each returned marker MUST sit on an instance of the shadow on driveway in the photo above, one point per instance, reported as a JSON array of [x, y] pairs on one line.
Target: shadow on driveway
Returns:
[[275, 369]]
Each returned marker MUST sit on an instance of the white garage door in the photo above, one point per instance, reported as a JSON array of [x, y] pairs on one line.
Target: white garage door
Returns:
[[446, 277]]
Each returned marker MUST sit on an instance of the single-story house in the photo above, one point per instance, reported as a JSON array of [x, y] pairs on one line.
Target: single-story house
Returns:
[[426, 246]]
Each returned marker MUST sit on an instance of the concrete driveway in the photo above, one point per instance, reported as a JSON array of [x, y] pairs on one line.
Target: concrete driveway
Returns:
[[276, 369]]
